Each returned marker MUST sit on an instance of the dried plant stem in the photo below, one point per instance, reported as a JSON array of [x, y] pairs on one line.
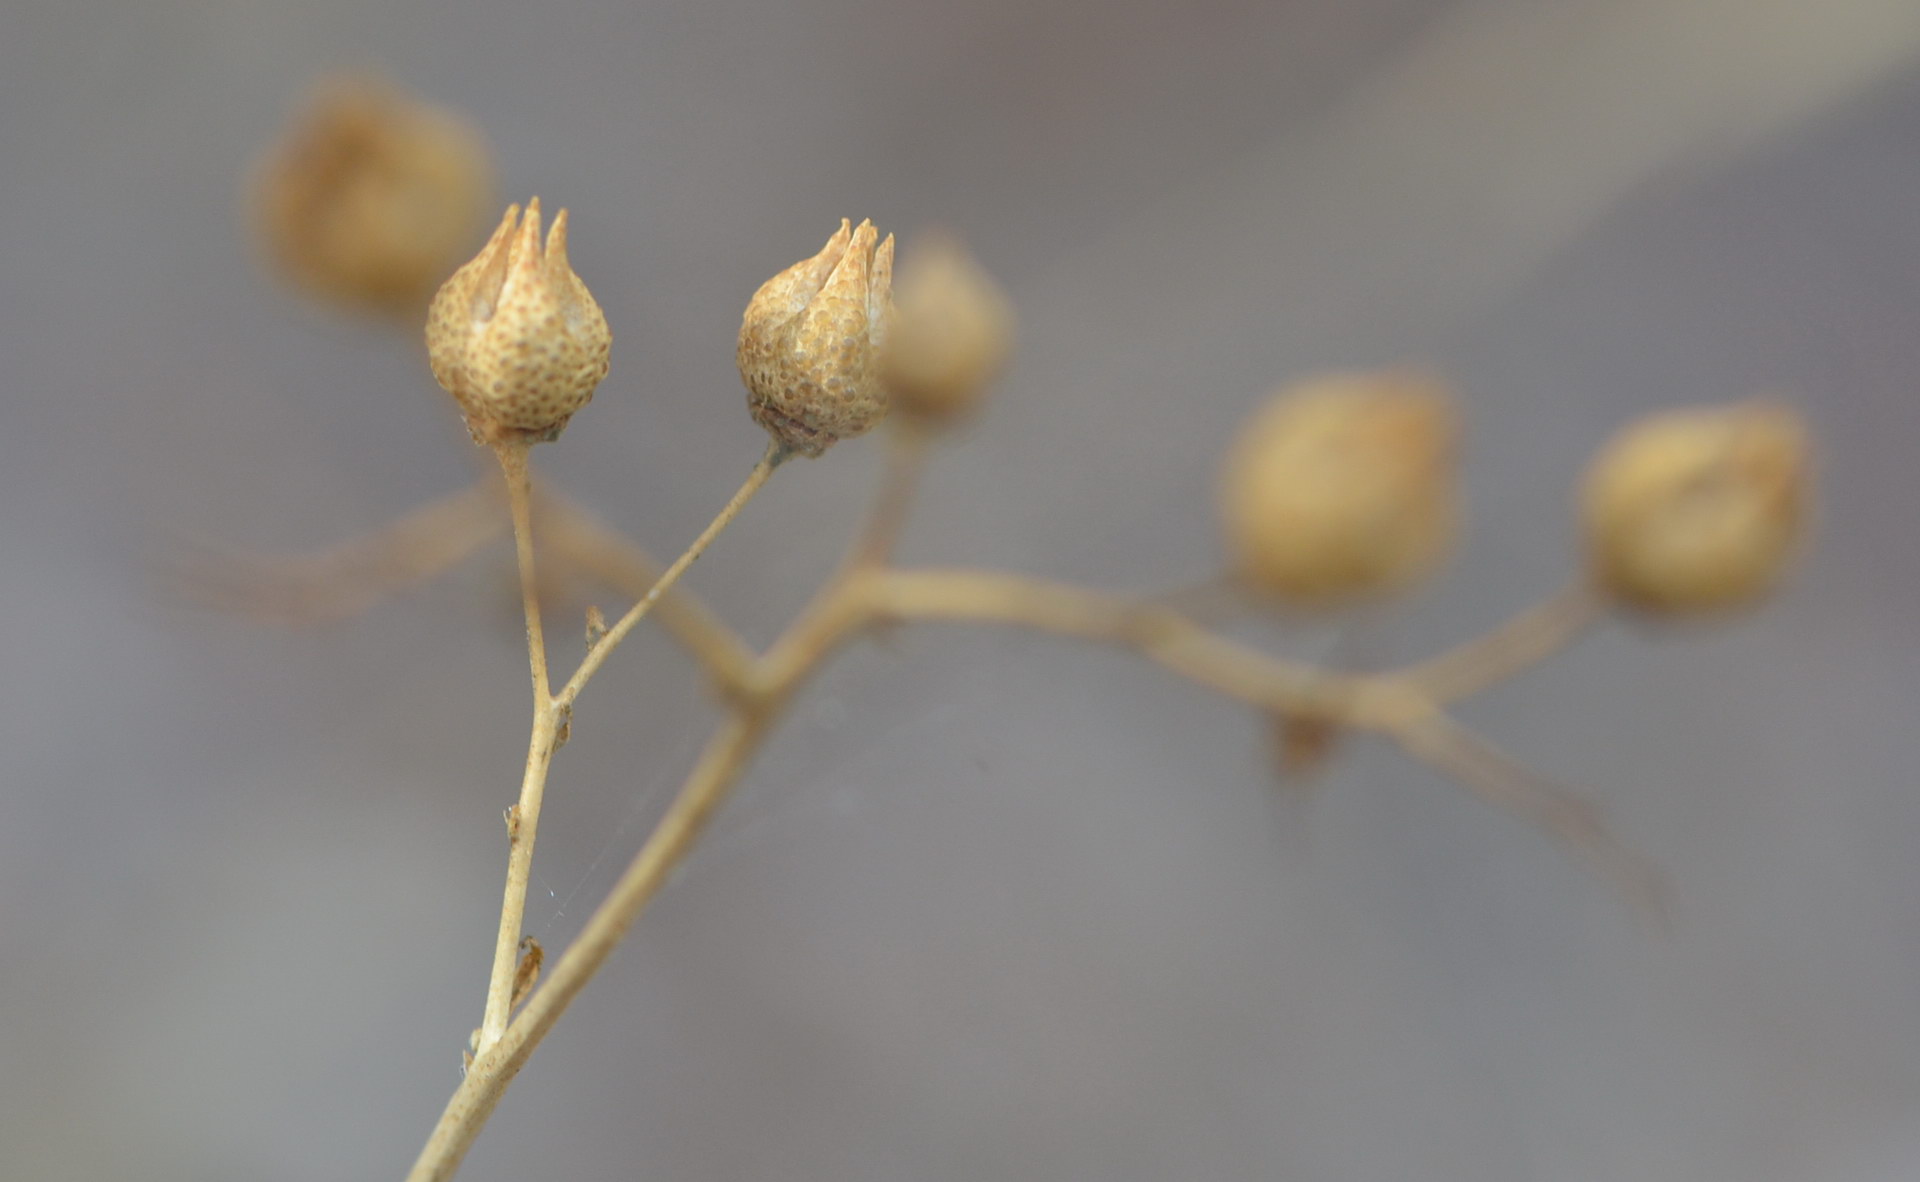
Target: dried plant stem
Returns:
[[778, 675], [1524, 640], [1399, 704], [513, 466], [523, 821], [346, 579], [577, 538], [494, 1068], [1158, 633], [552, 712], [774, 456], [343, 580], [1508, 784], [906, 458], [867, 593]]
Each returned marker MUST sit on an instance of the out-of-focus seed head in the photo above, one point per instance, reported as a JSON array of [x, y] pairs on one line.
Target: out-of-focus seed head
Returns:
[[1343, 487], [810, 340], [952, 331], [515, 336], [1698, 510], [370, 197]]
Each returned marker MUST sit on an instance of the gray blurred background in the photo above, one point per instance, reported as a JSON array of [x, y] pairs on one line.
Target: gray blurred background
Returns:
[[990, 907]]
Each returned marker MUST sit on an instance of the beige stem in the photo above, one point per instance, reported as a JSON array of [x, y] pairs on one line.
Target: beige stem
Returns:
[[345, 579], [573, 534], [1508, 784], [1523, 641], [774, 456], [513, 465], [906, 457], [1161, 635], [523, 821], [866, 593]]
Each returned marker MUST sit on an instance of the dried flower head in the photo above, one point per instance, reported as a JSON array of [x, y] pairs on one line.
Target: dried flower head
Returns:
[[371, 197], [1343, 487], [1697, 510], [952, 331], [809, 340], [515, 336]]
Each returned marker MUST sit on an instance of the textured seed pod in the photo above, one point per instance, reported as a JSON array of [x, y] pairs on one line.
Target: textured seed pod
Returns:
[[515, 336], [1697, 510], [1343, 487], [952, 331], [370, 198], [810, 338]]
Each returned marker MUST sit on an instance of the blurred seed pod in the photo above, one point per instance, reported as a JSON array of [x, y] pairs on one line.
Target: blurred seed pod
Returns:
[[810, 339], [952, 331], [1698, 510], [1343, 487], [370, 198], [515, 336]]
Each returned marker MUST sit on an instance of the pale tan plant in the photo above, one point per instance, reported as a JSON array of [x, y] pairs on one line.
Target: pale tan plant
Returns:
[[371, 196], [1698, 510], [1343, 487]]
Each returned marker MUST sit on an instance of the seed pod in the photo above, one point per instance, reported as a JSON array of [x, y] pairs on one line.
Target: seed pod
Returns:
[[809, 342], [370, 198], [1697, 510], [515, 336], [952, 331], [1343, 487]]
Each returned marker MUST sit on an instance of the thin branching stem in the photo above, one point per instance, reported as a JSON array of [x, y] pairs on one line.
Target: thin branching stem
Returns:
[[1506, 783], [523, 820], [577, 538], [906, 459], [839, 613], [1160, 634], [867, 593], [344, 579], [774, 456], [1524, 640], [551, 717], [513, 466], [494, 1068]]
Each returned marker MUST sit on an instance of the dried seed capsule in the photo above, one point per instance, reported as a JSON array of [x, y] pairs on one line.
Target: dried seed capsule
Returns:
[[371, 198], [809, 342], [1343, 487], [952, 331], [1697, 510], [515, 336]]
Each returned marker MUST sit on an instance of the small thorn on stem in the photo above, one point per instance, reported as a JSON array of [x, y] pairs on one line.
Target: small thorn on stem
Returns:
[[1303, 747], [527, 973]]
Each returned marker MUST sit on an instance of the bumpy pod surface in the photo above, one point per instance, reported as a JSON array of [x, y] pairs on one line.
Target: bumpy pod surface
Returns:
[[810, 339], [1697, 510], [515, 336], [370, 198], [1342, 487]]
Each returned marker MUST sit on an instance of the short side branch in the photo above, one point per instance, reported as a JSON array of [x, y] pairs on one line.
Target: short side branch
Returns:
[[1521, 642], [346, 579], [574, 536], [774, 456]]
